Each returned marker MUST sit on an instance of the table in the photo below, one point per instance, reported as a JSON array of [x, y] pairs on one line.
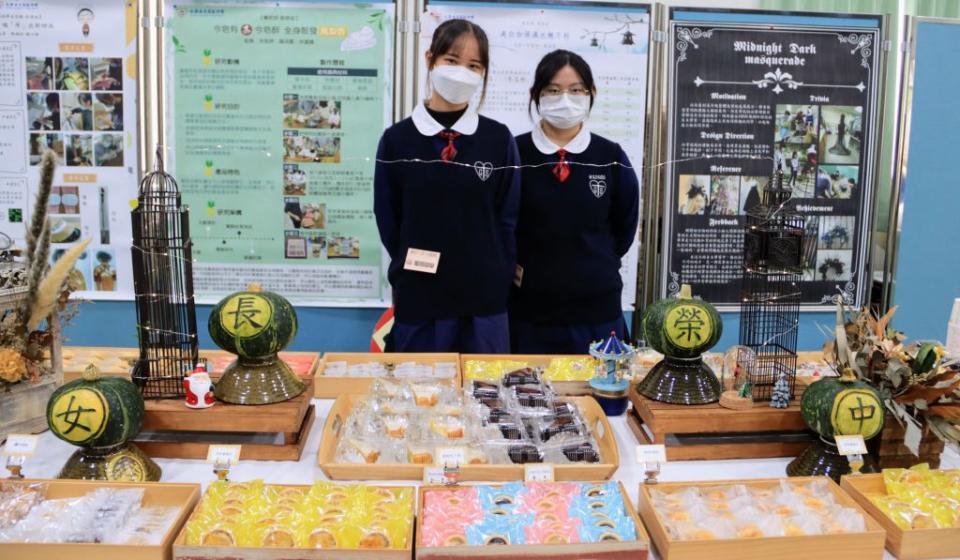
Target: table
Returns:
[[52, 453]]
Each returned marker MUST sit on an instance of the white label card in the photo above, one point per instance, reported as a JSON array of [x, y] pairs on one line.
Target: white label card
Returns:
[[21, 444], [851, 445], [518, 276], [433, 475], [451, 456], [650, 454], [224, 454], [420, 260], [538, 473]]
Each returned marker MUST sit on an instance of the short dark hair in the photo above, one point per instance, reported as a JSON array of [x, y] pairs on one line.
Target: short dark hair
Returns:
[[552, 63], [447, 35]]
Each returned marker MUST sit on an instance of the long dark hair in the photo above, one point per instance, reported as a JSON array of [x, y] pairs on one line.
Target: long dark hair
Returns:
[[447, 35], [552, 63]]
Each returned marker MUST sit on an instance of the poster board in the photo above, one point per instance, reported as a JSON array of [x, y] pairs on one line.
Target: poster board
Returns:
[[743, 96], [612, 37], [68, 82], [927, 271], [273, 114]]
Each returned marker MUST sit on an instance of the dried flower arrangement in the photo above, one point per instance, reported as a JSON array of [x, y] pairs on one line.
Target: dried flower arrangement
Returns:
[[30, 292], [915, 380]]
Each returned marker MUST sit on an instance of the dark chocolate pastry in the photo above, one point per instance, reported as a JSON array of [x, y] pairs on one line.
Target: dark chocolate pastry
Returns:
[[559, 425], [525, 453], [525, 376], [485, 390], [509, 430], [582, 453]]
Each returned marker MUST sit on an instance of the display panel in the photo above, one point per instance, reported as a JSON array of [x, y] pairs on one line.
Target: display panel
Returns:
[[68, 84], [276, 111], [612, 38], [745, 98]]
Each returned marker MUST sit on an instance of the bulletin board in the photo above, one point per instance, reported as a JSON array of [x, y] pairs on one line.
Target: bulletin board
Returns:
[[273, 115], [614, 38], [749, 92], [927, 271], [68, 83]]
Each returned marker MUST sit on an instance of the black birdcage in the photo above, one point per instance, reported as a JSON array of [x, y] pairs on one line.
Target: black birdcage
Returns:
[[770, 295], [163, 282]]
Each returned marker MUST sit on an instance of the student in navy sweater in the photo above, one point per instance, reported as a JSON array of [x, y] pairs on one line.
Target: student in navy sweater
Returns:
[[446, 196], [578, 217]]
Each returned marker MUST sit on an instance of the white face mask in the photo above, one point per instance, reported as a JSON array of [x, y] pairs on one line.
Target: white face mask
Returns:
[[456, 84], [565, 110]]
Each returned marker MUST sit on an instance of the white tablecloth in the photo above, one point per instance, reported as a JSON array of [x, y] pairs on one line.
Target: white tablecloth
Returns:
[[53, 453]]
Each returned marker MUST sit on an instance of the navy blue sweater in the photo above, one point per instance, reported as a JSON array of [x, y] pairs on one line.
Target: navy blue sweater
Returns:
[[571, 235], [467, 213]]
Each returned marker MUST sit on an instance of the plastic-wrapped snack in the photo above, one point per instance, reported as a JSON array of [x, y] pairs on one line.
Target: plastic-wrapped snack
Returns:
[[523, 453], [800, 525], [569, 369], [499, 498], [764, 526], [532, 398], [708, 529], [447, 427], [594, 490], [582, 452], [118, 506], [445, 370], [524, 376], [482, 390], [620, 533], [16, 501], [146, 528], [844, 520], [413, 370], [426, 395], [357, 451], [395, 425], [550, 426], [498, 530], [420, 454], [335, 369], [565, 531]]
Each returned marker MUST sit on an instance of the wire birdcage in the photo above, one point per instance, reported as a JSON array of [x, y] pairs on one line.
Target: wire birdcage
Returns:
[[770, 295], [163, 283]]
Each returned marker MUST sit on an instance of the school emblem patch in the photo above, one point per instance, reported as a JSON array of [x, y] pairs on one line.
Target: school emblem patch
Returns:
[[598, 187], [484, 169]]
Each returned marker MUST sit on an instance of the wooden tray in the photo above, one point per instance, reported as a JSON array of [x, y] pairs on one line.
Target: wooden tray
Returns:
[[851, 546], [331, 387], [270, 432], [904, 544], [183, 551], [591, 411], [711, 432], [569, 388], [633, 550], [182, 496], [118, 361]]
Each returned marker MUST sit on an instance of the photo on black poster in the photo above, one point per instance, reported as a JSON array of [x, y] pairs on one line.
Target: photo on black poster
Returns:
[[747, 99]]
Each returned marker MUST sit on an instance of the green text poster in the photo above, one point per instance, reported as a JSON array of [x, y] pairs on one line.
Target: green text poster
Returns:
[[277, 113]]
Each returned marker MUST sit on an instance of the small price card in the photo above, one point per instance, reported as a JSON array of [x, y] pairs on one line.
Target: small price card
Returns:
[[650, 454], [451, 456], [22, 445], [434, 476], [538, 473], [851, 445], [225, 455]]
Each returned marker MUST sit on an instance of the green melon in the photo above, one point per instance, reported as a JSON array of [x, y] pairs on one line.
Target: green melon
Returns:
[[682, 327], [96, 411], [842, 406], [253, 324]]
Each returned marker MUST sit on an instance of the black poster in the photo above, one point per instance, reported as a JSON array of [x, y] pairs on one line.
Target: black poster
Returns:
[[745, 100]]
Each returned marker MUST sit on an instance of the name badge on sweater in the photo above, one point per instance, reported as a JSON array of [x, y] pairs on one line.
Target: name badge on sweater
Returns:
[[518, 276], [420, 260]]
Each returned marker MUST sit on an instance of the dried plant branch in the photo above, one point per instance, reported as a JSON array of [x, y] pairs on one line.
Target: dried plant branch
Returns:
[[49, 293]]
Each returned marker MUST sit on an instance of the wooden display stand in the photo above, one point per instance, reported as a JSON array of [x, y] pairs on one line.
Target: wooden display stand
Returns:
[[156, 494], [183, 551], [892, 453], [269, 432], [568, 388], [849, 546], [331, 386], [710, 432], [609, 550], [272, 432], [592, 414], [905, 544]]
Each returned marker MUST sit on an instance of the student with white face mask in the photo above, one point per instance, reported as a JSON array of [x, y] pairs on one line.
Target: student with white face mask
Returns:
[[579, 207], [446, 194]]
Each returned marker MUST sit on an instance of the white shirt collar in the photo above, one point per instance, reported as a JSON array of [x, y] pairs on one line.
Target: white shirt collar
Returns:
[[546, 146], [428, 126]]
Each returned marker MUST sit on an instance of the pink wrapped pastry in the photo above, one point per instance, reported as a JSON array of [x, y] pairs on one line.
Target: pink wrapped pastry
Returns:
[[543, 497], [460, 505], [564, 532]]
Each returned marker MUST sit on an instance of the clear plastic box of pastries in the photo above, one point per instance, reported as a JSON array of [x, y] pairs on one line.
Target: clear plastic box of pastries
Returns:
[[517, 421]]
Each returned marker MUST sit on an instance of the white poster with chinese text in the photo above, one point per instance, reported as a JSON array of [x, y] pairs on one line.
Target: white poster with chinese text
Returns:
[[68, 84]]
